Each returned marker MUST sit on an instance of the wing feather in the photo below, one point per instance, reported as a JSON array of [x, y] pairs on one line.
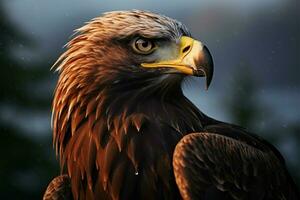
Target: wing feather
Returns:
[[207, 161], [59, 189]]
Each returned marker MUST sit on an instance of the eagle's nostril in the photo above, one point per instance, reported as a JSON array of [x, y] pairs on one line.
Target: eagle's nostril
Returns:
[[186, 49]]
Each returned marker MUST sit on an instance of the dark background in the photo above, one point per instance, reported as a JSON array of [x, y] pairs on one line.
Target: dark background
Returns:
[[256, 49]]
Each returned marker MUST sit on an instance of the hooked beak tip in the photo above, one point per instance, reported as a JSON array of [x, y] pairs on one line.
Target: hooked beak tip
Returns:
[[205, 66]]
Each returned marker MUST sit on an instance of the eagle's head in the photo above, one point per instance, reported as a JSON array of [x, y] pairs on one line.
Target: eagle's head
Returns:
[[113, 76], [137, 47]]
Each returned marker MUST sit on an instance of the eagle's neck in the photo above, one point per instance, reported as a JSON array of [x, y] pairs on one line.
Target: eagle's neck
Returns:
[[156, 98], [143, 95]]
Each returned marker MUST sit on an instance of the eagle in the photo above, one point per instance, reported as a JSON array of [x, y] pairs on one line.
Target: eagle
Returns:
[[123, 129]]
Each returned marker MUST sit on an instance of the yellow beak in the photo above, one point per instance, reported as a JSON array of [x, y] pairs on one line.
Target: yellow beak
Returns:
[[193, 59]]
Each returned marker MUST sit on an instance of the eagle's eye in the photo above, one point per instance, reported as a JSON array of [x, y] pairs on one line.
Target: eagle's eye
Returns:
[[143, 46]]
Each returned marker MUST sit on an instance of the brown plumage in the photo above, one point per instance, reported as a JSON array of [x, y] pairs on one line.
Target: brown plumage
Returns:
[[116, 121]]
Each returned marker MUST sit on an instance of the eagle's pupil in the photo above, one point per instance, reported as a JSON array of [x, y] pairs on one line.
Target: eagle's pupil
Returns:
[[145, 44]]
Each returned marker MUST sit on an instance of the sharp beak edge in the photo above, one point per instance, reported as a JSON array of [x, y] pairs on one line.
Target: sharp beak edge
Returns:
[[193, 59]]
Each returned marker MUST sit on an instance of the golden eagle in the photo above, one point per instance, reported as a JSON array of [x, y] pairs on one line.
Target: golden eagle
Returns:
[[124, 130]]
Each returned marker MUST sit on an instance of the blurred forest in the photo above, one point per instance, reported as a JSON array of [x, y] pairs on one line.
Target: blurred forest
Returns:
[[29, 163]]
